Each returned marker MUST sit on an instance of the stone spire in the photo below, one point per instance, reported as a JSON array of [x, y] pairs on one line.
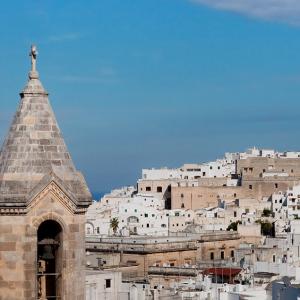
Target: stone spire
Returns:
[[34, 150]]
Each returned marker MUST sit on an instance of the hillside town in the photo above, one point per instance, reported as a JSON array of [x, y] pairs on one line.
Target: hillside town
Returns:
[[227, 229]]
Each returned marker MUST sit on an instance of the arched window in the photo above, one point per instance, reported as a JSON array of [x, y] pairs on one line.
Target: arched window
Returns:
[[49, 258]]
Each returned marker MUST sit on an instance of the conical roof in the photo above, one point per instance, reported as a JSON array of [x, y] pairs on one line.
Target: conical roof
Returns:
[[34, 148]]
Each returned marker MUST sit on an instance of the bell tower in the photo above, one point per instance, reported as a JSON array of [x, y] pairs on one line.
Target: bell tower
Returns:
[[43, 200]]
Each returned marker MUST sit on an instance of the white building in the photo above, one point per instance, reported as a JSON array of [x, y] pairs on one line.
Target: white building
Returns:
[[216, 169], [136, 213], [108, 285], [293, 202]]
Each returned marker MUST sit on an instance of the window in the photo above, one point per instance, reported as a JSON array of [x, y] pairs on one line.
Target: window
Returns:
[[177, 214], [146, 215], [274, 258], [182, 205], [276, 185], [250, 186], [159, 189], [98, 230], [125, 210], [107, 283], [163, 225], [234, 195], [148, 188], [212, 256], [181, 195], [210, 167], [153, 215], [148, 225], [203, 173], [232, 253], [234, 214], [222, 255]]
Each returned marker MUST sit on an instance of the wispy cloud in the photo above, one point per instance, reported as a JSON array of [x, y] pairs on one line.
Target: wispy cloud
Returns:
[[287, 11], [72, 36]]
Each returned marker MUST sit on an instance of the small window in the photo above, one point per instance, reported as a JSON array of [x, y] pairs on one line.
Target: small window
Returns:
[[159, 189], [182, 205], [232, 253], [148, 188], [148, 225], [181, 195], [276, 185], [250, 186], [212, 256], [234, 214], [107, 283], [222, 255], [146, 215]]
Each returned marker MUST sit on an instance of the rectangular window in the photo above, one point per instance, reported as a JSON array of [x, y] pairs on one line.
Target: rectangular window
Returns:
[[212, 256], [222, 255], [159, 189], [250, 186], [148, 188], [107, 283]]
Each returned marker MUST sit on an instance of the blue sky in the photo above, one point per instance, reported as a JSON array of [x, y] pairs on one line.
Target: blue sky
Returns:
[[139, 84]]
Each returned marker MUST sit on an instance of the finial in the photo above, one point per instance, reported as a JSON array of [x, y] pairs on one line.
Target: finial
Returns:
[[33, 74]]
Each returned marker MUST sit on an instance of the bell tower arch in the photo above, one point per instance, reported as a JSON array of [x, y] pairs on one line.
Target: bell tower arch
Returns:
[[40, 256]]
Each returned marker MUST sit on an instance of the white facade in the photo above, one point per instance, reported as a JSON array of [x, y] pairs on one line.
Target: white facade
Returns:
[[137, 214], [293, 202], [108, 285], [216, 169]]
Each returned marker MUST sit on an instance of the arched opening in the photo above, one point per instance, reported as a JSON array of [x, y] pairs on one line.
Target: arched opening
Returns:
[[49, 260]]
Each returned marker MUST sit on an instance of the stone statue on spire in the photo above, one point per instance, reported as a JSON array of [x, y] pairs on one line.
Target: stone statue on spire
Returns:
[[33, 74]]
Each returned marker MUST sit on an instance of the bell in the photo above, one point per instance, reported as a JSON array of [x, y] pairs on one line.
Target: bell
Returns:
[[47, 255]]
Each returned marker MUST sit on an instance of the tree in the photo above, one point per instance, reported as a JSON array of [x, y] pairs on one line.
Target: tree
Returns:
[[266, 227], [233, 226], [114, 224], [267, 212]]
